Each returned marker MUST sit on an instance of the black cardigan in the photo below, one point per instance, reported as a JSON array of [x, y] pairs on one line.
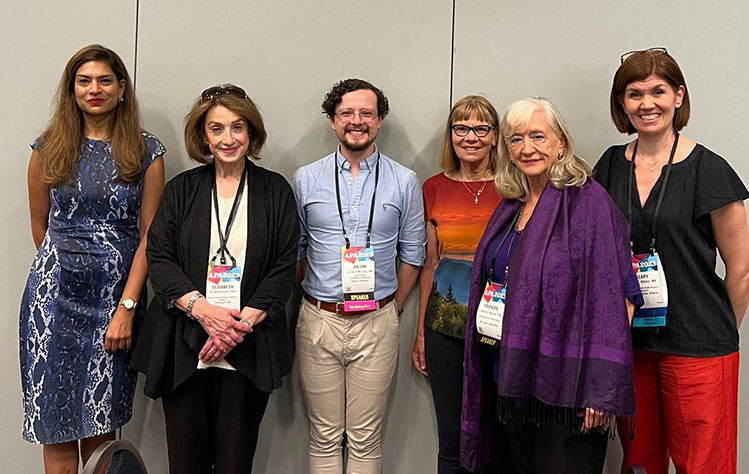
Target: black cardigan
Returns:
[[167, 348]]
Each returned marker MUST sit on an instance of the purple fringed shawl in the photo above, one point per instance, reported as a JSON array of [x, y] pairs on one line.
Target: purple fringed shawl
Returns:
[[565, 335]]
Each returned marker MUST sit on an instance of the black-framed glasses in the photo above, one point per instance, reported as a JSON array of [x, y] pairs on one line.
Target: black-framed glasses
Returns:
[[658, 50], [479, 130], [223, 89]]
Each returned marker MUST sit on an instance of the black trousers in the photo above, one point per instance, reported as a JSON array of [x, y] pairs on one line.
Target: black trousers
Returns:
[[212, 423], [444, 357], [534, 450]]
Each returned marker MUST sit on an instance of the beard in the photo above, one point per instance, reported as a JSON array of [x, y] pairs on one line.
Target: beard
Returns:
[[357, 145]]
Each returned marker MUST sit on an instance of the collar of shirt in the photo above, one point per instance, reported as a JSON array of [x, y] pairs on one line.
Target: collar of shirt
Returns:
[[367, 163], [398, 223]]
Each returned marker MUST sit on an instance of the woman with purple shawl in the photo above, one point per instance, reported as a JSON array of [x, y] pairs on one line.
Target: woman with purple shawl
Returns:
[[545, 387]]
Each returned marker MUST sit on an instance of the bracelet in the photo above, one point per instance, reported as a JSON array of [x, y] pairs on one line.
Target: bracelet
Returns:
[[191, 303]]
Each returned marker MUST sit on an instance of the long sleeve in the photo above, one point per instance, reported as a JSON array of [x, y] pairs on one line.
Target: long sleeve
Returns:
[[167, 276], [274, 289]]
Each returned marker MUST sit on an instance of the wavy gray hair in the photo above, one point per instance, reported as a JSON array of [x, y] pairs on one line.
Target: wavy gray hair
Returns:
[[569, 170]]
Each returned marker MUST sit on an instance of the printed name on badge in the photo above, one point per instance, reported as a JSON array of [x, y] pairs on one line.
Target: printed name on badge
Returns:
[[358, 278], [652, 282]]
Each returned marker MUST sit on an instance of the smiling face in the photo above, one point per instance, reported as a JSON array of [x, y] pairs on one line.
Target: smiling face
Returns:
[[535, 146], [472, 149], [227, 135], [651, 105], [97, 89], [356, 122]]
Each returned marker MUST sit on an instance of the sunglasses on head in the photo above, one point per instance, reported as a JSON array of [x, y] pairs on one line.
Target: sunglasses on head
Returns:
[[223, 89], [652, 51]]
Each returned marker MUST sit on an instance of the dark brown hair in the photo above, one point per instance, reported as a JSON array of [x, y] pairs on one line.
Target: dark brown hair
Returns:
[[637, 67], [61, 141], [334, 97], [196, 140]]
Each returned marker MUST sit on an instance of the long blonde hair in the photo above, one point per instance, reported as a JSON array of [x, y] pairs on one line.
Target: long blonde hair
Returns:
[[61, 141], [568, 170]]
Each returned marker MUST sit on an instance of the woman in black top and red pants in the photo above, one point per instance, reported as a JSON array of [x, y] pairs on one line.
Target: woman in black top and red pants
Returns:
[[682, 201]]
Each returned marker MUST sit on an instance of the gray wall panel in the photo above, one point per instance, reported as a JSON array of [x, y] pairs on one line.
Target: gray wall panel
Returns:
[[287, 56], [569, 52], [38, 38]]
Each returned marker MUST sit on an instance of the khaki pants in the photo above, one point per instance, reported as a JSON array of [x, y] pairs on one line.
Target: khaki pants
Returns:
[[346, 365]]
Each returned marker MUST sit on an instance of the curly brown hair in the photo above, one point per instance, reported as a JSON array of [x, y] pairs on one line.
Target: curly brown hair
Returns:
[[334, 97]]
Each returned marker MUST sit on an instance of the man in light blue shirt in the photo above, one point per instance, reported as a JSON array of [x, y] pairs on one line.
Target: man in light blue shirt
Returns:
[[351, 198]]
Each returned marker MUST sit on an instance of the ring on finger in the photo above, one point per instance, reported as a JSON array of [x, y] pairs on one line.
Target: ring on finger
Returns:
[[246, 322]]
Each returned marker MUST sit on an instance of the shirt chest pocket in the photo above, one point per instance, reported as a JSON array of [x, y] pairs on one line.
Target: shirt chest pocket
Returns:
[[387, 217]]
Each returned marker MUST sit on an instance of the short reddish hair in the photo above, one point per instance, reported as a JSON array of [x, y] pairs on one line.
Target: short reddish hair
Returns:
[[637, 67]]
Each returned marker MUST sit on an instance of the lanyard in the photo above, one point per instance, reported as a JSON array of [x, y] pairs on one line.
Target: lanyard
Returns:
[[510, 228], [371, 208], [660, 193], [223, 237]]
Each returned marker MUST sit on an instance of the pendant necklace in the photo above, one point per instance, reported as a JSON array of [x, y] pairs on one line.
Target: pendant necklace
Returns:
[[652, 165], [476, 194]]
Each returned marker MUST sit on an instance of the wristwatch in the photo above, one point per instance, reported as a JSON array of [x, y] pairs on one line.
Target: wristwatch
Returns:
[[129, 303]]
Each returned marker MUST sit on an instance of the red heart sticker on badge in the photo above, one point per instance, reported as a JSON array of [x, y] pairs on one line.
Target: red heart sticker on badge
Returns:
[[351, 254], [489, 292], [216, 273]]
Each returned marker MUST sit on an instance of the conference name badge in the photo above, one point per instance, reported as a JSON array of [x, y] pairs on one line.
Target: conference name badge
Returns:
[[652, 281], [490, 313], [223, 286], [358, 278]]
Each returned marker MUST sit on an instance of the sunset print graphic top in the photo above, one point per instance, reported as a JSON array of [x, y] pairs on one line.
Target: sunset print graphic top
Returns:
[[460, 217]]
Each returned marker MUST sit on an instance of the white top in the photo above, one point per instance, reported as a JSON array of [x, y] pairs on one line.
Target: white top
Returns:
[[236, 244]]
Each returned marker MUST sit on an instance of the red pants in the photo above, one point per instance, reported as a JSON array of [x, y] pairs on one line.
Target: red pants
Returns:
[[686, 410]]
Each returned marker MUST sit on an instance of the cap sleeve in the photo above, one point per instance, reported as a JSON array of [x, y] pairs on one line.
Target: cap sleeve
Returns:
[[717, 185], [154, 149], [429, 190]]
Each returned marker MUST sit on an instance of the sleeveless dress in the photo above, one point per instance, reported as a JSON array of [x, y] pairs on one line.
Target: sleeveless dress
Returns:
[[72, 388]]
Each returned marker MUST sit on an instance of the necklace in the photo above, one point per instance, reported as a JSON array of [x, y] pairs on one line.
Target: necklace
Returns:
[[476, 194], [520, 215], [652, 165]]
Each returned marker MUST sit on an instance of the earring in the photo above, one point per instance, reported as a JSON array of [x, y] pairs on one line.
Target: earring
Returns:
[[121, 99], [560, 156]]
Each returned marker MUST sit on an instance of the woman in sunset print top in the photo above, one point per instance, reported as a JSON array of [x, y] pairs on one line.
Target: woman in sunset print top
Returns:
[[457, 206]]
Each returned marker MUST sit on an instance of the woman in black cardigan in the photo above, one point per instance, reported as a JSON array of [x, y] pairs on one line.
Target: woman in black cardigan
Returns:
[[221, 255]]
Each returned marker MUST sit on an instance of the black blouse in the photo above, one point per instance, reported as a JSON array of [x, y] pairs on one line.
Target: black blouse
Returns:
[[700, 320]]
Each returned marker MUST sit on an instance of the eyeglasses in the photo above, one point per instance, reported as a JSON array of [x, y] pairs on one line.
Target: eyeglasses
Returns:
[[480, 130], [516, 141], [223, 89], [652, 51], [347, 115]]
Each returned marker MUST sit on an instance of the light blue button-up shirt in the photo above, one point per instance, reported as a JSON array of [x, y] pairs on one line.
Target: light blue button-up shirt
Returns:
[[397, 225]]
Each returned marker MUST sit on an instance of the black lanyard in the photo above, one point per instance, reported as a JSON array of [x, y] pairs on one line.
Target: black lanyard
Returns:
[[510, 229], [661, 193], [371, 208], [224, 237]]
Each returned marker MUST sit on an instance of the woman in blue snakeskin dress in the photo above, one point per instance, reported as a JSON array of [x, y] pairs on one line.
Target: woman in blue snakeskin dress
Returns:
[[95, 182]]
